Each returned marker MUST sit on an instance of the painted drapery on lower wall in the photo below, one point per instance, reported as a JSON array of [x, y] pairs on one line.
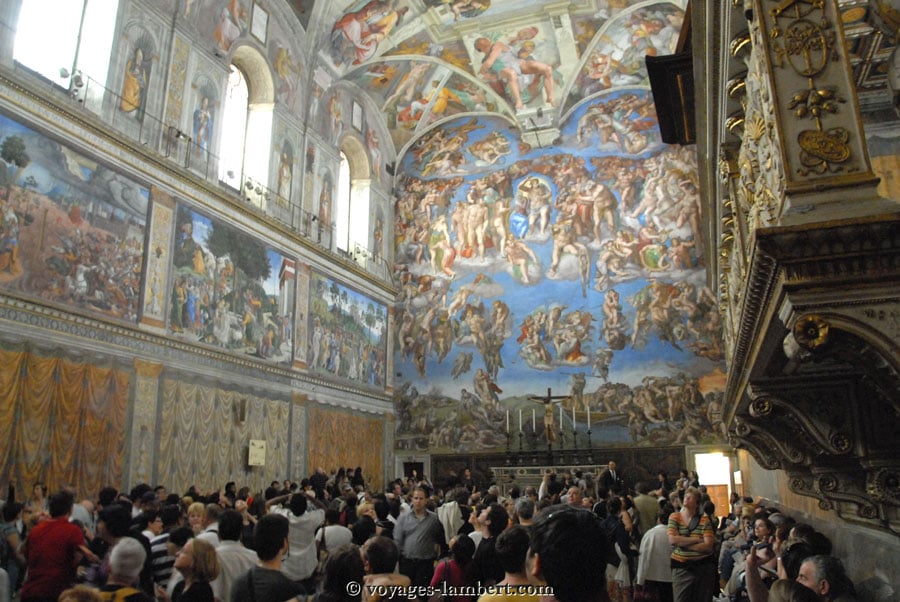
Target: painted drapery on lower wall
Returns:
[[68, 423], [338, 439], [205, 433], [63, 422]]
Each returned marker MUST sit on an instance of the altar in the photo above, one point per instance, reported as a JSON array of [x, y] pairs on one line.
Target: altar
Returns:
[[507, 477], [527, 467]]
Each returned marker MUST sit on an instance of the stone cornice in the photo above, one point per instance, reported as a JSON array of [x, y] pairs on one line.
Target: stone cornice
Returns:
[[23, 320], [758, 290]]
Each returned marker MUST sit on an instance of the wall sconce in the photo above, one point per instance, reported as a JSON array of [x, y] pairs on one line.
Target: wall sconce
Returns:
[[177, 134], [241, 411], [77, 77], [76, 83]]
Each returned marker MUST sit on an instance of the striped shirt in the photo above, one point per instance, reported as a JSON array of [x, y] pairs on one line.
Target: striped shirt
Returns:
[[163, 564], [703, 530]]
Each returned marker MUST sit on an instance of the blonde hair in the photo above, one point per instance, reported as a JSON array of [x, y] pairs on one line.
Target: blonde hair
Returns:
[[693, 491], [204, 562], [197, 508], [365, 509]]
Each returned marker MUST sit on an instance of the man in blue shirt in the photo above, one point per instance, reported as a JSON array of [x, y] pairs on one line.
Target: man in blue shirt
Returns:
[[420, 537]]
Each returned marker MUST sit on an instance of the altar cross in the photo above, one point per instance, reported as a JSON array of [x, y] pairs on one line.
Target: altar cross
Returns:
[[549, 421]]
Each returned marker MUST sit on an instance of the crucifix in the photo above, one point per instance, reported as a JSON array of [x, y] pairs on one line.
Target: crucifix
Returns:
[[549, 421]]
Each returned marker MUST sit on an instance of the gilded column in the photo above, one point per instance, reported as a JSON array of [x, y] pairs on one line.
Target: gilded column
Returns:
[[301, 317], [157, 260], [389, 360], [804, 151], [732, 250], [144, 422], [299, 436], [388, 447]]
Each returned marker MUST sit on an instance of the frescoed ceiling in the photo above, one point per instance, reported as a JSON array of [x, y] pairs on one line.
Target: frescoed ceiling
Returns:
[[431, 59], [425, 61]]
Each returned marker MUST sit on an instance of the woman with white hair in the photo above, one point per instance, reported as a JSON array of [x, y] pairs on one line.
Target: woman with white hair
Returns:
[[126, 560]]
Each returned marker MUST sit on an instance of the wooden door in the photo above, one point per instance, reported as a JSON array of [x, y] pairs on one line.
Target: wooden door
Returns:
[[719, 496]]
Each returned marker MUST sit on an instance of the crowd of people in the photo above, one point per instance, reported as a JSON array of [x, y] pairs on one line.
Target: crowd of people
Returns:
[[574, 538]]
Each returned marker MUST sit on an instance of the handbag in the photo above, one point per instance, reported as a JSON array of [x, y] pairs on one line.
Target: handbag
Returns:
[[645, 593]]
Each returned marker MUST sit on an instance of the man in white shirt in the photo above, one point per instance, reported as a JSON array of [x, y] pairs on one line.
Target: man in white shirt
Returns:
[[654, 572], [300, 565], [234, 558], [210, 522], [336, 534]]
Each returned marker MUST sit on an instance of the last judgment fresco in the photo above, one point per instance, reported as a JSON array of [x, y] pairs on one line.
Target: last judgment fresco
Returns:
[[577, 269]]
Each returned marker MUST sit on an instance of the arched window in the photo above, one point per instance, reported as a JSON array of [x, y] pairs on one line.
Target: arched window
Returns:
[[352, 202], [234, 129], [245, 143], [49, 40], [342, 207]]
